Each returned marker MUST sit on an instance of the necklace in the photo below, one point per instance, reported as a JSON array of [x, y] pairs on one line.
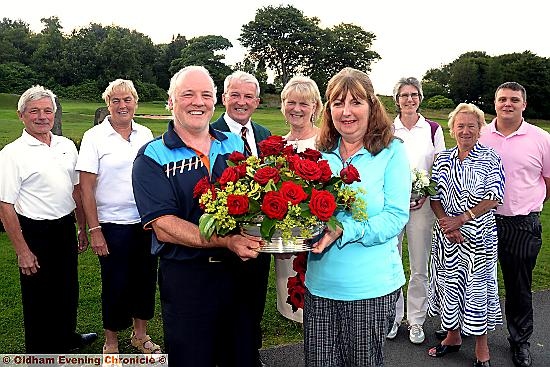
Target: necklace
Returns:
[[304, 135], [345, 154]]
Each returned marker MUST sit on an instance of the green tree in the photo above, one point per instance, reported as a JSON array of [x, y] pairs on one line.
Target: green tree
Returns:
[[81, 59], [46, 60], [468, 76], [344, 45], [168, 53], [16, 42], [126, 54], [284, 38], [204, 50], [16, 77], [436, 82]]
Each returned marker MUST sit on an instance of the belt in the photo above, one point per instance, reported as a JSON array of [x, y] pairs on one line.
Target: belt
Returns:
[[518, 217]]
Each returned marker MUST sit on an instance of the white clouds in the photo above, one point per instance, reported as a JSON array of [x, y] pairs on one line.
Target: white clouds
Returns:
[[412, 37]]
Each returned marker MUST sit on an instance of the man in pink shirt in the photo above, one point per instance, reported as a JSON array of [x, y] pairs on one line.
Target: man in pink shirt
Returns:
[[525, 153]]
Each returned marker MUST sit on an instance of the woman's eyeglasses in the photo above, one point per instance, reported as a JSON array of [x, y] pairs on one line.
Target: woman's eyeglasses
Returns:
[[407, 95]]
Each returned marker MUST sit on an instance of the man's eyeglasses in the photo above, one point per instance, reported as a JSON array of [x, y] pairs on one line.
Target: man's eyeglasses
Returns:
[[407, 95]]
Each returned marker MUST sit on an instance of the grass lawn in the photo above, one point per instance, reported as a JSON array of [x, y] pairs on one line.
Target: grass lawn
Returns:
[[78, 117]]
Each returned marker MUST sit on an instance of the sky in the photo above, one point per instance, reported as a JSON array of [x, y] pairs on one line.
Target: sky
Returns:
[[411, 37]]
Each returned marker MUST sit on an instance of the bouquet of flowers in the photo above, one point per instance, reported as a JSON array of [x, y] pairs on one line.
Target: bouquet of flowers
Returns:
[[281, 190], [422, 185]]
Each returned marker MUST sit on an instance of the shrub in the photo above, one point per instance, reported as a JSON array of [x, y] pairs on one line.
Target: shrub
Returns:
[[16, 77], [149, 92], [439, 103], [87, 91]]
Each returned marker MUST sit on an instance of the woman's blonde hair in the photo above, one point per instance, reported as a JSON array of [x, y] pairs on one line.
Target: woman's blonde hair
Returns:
[[466, 108]]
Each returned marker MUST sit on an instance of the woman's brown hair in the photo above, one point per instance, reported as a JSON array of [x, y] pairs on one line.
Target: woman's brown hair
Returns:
[[379, 132]]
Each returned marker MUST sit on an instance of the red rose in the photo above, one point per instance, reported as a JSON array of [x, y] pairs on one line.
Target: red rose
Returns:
[[307, 170], [264, 174], [293, 192], [322, 204], [299, 264], [296, 297], [288, 150], [201, 187], [230, 174], [274, 205], [349, 174], [311, 154], [237, 204], [326, 172], [293, 282], [236, 157], [292, 159], [241, 169], [273, 145]]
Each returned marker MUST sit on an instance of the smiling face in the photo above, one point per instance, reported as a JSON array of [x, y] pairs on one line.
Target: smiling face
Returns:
[[465, 130], [298, 110], [192, 102], [122, 107], [350, 116], [408, 99], [38, 118], [509, 106], [240, 100]]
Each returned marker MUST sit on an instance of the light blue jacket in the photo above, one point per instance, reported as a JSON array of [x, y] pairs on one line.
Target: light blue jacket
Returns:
[[365, 263]]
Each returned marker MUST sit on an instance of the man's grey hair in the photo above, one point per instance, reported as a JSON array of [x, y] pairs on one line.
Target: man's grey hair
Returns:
[[184, 71], [35, 93], [243, 77]]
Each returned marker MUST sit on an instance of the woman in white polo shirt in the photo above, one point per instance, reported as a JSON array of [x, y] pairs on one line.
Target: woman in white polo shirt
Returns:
[[423, 140], [128, 270]]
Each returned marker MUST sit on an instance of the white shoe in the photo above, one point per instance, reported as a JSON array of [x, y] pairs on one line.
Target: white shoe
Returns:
[[416, 334], [393, 332]]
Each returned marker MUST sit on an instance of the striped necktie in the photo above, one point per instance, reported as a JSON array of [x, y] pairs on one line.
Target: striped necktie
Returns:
[[247, 151]]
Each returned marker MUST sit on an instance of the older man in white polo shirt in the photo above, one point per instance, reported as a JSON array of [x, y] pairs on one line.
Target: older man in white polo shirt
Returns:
[[38, 194]]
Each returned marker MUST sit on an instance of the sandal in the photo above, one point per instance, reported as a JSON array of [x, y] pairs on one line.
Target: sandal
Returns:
[[109, 350], [141, 344]]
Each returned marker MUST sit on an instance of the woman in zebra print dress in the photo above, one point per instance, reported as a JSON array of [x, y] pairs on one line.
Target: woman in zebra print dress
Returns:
[[463, 280]]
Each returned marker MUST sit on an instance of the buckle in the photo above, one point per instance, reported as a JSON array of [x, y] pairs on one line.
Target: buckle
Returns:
[[212, 259]]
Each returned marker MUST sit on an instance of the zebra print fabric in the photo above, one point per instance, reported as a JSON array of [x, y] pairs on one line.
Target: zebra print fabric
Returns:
[[463, 276]]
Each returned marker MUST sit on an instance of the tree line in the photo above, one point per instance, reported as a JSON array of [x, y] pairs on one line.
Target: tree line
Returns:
[[79, 65]]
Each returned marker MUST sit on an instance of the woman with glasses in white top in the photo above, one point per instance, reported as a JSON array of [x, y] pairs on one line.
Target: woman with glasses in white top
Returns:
[[423, 141]]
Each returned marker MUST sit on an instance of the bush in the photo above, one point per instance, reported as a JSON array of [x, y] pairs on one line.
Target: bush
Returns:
[[87, 91], [16, 77], [439, 103], [149, 92]]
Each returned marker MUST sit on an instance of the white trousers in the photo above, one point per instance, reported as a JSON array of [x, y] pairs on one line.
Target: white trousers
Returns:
[[419, 237]]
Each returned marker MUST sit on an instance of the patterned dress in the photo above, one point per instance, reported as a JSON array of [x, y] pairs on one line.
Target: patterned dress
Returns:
[[463, 276]]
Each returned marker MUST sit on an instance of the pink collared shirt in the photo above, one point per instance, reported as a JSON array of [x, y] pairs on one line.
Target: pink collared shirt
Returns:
[[525, 156]]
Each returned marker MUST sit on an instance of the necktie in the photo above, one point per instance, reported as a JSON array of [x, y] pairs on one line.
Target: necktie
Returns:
[[247, 151]]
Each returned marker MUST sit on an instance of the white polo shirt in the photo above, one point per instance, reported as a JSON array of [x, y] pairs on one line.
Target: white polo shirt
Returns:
[[108, 155], [418, 142], [39, 179]]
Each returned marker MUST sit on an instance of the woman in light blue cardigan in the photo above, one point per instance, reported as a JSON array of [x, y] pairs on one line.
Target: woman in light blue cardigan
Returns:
[[354, 274]]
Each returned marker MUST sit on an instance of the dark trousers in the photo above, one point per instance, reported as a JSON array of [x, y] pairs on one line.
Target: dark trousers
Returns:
[[50, 296], [519, 242], [206, 314], [128, 276], [255, 273]]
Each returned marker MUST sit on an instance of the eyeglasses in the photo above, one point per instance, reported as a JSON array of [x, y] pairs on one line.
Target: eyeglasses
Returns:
[[407, 95]]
